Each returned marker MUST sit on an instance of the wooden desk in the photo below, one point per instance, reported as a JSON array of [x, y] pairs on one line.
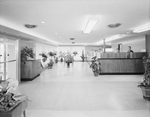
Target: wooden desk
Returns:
[[30, 69], [16, 112], [121, 65]]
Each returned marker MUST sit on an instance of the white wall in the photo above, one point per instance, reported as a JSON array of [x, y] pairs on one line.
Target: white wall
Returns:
[[137, 43]]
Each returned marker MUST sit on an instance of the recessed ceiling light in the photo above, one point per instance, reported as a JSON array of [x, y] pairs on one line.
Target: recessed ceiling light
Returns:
[[56, 33], [114, 25], [43, 22], [30, 26]]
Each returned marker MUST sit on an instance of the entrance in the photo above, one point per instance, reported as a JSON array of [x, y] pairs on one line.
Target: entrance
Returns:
[[8, 59]]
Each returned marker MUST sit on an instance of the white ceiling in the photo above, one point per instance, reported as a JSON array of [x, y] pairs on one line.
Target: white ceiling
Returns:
[[68, 18]]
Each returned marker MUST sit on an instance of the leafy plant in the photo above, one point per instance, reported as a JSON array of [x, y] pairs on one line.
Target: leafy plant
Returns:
[[146, 79], [43, 55], [82, 56], [26, 52], [9, 99], [51, 54], [75, 53]]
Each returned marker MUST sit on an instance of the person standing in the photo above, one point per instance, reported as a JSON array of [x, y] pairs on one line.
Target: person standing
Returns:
[[129, 52]]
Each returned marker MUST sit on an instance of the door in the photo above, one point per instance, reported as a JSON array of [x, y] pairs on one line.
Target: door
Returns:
[[8, 59]]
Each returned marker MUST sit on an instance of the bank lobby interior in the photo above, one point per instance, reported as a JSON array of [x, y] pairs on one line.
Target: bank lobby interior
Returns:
[[74, 91]]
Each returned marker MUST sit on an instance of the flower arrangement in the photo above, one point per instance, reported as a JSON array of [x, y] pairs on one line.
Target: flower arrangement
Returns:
[[27, 52], [9, 96]]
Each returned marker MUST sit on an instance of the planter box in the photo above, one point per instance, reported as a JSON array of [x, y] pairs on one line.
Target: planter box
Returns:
[[16, 111], [146, 93], [30, 69]]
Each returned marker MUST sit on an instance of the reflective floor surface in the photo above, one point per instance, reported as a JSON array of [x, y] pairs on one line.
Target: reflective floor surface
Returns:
[[76, 92]]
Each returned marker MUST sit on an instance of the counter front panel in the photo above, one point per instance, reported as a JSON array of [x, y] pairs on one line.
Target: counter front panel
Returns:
[[121, 66]]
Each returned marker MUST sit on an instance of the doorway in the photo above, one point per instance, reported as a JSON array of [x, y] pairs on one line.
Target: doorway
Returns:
[[8, 59]]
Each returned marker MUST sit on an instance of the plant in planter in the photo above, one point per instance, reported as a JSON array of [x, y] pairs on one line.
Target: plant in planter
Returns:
[[95, 66], [43, 60], [68, 59], [44, 56], [27, 53], [51, 62], [62, 55], [51, 54], [75, 53], [82, 56], [9, 96], [145, 84]]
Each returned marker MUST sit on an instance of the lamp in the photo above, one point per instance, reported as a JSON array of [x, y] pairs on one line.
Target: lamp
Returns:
[[142, 28]]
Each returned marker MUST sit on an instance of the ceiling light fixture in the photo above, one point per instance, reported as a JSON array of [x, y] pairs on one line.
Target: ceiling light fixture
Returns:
[[92, 21], [90, 25], [72, 38], [142, 28], [30, 26], [114, 25], [43, 22]]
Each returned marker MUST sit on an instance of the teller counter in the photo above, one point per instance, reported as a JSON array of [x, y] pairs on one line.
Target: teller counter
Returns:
[[121, 65]]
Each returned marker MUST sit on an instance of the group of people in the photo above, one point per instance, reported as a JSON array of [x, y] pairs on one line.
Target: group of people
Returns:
[[129, 52]]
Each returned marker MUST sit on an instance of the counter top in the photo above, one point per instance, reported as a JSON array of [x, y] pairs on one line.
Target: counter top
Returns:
[[117, 58]]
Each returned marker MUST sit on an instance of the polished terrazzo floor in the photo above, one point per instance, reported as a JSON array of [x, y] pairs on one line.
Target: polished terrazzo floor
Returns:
[[75, 92]]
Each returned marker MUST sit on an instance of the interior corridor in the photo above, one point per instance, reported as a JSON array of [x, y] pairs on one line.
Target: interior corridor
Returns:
[[75, 92]]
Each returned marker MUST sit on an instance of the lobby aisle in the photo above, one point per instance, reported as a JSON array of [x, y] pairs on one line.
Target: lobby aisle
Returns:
[[75, 92]]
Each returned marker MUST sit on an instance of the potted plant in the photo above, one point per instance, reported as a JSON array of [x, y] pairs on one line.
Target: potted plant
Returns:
[[9, 96], [145, 84], [68, 59], [82, 56], [51, 54], [27, 54], [95, 66], [62, 55], [44, 56], [75, 53]]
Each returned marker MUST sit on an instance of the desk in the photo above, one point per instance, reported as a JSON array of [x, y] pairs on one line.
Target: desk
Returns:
[[121, 65], [30, 69], [16, 112]]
